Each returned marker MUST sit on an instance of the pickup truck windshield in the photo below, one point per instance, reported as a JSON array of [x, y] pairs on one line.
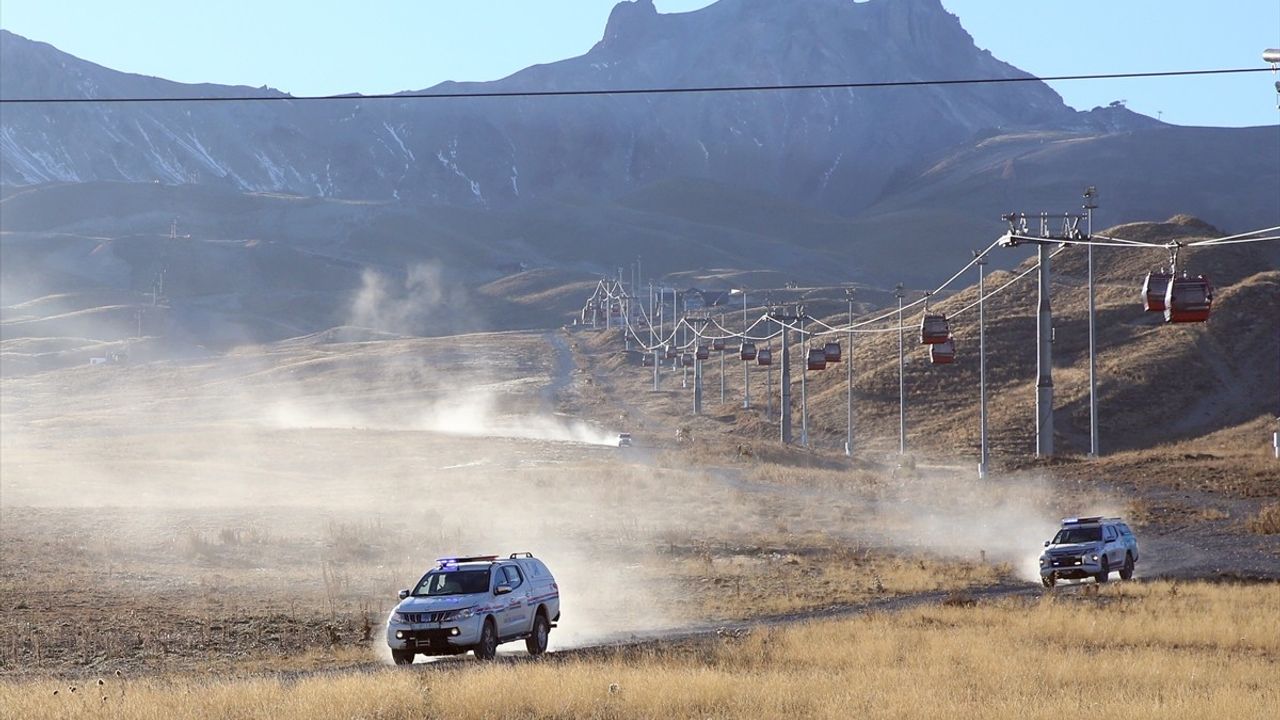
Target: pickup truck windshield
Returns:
[[1068, 536], [453, 582]]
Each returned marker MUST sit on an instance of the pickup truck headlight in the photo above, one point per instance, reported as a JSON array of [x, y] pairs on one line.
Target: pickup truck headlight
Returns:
[[1093, 558], [399, 618], [454, 615], [1044, 560]]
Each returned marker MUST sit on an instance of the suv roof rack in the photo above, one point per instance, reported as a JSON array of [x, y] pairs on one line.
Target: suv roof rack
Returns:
[[515, 555]]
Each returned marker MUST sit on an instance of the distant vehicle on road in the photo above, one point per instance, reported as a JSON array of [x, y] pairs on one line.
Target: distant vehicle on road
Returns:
[[475, 603], [1089, 547], [624, 440]]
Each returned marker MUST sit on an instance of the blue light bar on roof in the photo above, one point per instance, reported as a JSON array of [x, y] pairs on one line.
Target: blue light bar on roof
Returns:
[[473, 558], [1081, 520]]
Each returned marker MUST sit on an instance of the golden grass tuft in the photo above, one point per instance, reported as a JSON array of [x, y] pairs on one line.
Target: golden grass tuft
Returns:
[[1267, 521]]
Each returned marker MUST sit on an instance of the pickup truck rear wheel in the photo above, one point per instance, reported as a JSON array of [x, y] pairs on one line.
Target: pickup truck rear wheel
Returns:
[[1126, 572], [487, 648], [536, 643], [1106, 570], [402, 657]]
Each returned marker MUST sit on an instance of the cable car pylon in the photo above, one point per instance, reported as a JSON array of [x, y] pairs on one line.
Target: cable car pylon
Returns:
[[1018, 233]]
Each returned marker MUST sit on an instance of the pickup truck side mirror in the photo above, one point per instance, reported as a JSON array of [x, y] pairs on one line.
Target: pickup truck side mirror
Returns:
[[502, 590], [1046, 543], [404, 594]]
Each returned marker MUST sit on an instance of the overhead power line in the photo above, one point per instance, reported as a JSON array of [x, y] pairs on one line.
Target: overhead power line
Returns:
[[445, 95]]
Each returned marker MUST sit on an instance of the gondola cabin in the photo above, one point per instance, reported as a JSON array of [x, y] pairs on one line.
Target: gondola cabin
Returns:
[[1188, 300], [647, 360], [832, 352], [764, 357], [686, 360], [747, 351], [1154, 288], [704, 352], [934, 329], [670, 354], [718, 345], [943, 353], [817, 359]]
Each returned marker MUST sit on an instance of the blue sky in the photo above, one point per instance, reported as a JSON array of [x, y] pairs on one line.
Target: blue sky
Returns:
[[324, 46]]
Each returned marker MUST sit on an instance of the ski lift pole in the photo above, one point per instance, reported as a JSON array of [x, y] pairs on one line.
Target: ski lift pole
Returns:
[[982, 367], [746, 370], [848, 370], [1090, 204], [804, 395], [902, 385]]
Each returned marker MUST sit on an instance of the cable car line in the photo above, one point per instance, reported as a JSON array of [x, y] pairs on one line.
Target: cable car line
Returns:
[[1204, 291], [703, 89], [1233, 242]]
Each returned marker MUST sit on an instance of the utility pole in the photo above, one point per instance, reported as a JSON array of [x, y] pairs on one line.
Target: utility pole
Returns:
[[768, 380], [768, 370], [697, 385], [626, 320], [1017, 234], [746, 369], [1044, 361], [653, 339], [722, 351], [784, 393], [804, 375], [848, 369], [1091, 204], [697, 324], [982, 367], [902, 384], [684, 343]]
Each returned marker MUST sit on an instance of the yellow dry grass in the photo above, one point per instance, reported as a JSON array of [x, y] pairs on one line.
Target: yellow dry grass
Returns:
[[1267, 521], [1131, 651], [745, 586]]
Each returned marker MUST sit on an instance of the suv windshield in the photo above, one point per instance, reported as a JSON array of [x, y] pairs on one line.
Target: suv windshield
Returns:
[[453, 582], [1067, 536]]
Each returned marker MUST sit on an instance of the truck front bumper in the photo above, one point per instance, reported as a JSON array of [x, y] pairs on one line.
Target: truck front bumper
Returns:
[[433, 638]]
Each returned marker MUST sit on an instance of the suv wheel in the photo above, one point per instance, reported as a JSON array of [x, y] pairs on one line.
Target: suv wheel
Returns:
[[1106, 570], [1126, 572], [536, 643], [487, 648], [402, 657]]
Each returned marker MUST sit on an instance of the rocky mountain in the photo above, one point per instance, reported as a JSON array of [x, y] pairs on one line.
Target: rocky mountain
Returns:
[[831, 148]]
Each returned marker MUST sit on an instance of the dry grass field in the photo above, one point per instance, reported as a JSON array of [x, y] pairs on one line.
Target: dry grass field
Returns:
[[1128, 651]]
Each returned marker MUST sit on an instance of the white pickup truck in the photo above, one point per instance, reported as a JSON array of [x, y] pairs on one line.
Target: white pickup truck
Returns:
[[475, 603]]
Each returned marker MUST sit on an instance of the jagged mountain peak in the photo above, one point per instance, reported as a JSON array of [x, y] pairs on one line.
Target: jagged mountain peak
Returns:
[[629, 19]]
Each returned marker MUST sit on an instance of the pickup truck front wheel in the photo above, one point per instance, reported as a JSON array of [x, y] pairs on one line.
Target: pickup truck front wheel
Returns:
[[487, 648], [402, 657], [1106, 570]]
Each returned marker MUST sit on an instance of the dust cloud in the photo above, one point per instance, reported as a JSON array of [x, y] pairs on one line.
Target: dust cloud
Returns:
[[424, 301], [469, 414], [1001, 519]]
